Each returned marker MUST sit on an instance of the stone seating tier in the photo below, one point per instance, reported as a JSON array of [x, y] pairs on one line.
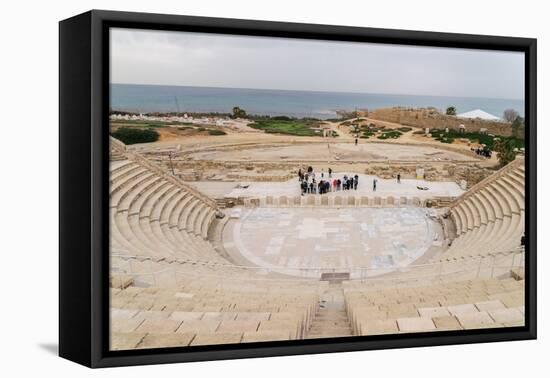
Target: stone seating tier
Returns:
[[442, 306]]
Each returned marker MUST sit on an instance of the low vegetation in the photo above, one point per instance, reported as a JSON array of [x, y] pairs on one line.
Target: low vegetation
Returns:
[[381, 132], [474, 137], [216, 132], [390, 134], [129, 135]]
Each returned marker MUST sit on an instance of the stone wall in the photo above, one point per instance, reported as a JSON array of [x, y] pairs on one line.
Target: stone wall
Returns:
[[471, 173], [433, 119], [193, 170]]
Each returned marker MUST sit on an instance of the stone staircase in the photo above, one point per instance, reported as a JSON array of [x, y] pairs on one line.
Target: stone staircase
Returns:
[[331, 319]]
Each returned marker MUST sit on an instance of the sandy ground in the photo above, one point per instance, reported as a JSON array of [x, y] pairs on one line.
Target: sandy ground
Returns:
[[335, 152], [241, 141]]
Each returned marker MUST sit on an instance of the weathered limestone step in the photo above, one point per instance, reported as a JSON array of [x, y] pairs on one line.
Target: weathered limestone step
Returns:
[[331, 319]]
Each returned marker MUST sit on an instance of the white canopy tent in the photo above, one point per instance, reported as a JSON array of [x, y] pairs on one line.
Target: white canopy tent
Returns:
[[478, 113]]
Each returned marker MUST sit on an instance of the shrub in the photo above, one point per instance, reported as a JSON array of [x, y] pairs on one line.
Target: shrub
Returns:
[[238, 112], [216, 132], [390, 134], [451, 110], [282, 118], [132, 136]]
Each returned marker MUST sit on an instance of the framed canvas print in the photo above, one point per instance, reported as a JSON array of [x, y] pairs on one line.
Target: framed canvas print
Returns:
[[234, 188]]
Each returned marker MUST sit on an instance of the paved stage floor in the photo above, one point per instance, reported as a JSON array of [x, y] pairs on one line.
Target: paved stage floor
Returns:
[[385, 188], [295, 241]]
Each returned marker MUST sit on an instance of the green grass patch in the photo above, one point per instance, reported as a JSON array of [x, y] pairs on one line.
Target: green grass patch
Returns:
[[132, 136], [287, 127]]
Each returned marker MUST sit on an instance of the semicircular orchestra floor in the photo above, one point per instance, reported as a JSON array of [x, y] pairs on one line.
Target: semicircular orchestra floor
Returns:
[[306, 242]]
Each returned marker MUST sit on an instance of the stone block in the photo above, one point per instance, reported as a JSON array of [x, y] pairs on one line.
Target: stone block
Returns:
[[235, 326], [417, 324], [432, 312], [125, 341], [462, 309], [378, 327], [217, 338], [489, 305], [166, 340], [473, 320], [446, 323], [507, 315]]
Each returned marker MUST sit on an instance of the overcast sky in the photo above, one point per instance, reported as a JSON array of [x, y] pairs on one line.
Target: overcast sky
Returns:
[[213, 60]]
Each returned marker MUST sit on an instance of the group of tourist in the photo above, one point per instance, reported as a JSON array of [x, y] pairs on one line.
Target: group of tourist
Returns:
[[325, 184], [482, 152]]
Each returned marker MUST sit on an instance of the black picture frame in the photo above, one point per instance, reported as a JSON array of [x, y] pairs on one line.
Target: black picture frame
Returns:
[[83, 181]]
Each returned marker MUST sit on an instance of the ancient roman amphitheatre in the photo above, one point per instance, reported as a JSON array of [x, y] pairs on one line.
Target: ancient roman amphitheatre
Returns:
[[220, 235]]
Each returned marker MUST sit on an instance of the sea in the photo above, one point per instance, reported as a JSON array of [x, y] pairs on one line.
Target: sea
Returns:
[[322, 105]]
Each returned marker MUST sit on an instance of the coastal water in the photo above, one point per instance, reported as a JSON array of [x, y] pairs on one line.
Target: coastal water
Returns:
[[323, 105]]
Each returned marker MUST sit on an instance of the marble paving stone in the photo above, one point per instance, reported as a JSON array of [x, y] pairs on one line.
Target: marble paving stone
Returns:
[[332, 237]]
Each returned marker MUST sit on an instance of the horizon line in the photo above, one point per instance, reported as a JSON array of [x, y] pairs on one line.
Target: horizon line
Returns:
[[319, 91]]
